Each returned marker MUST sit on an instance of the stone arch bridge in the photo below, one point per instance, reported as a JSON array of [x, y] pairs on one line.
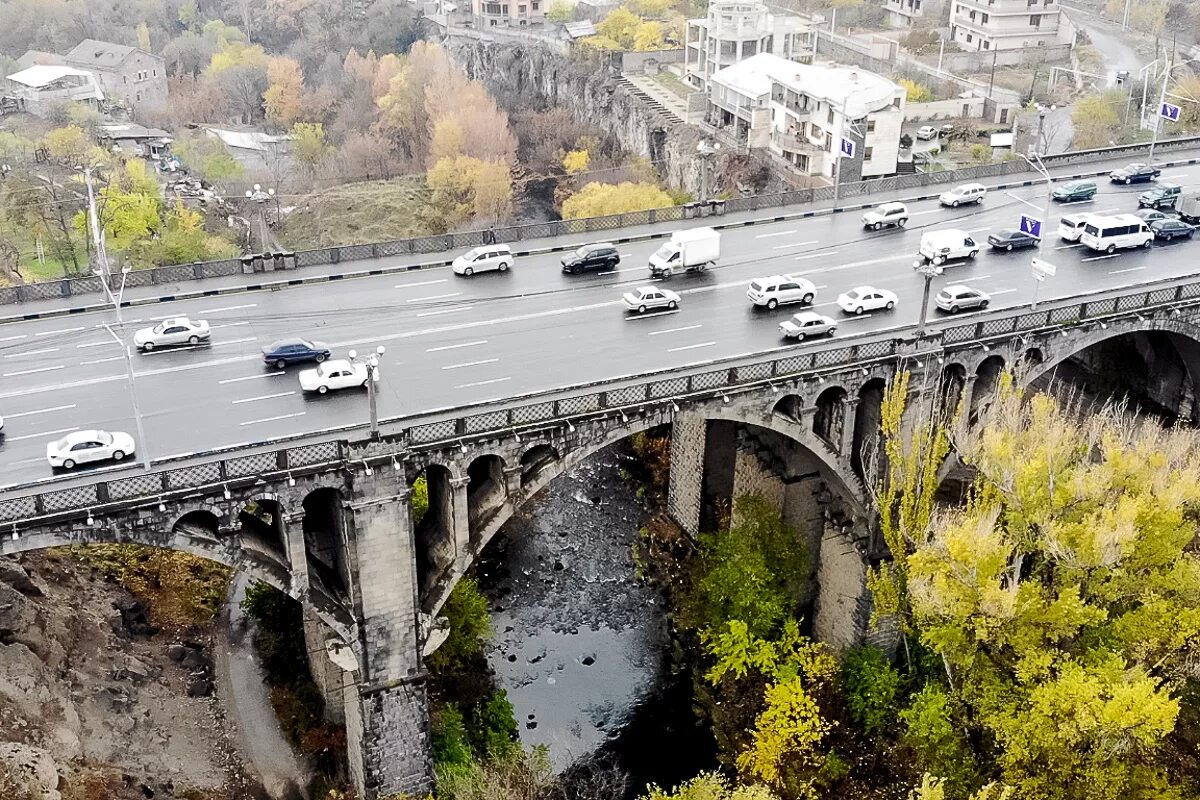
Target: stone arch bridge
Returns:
[[330, 521]]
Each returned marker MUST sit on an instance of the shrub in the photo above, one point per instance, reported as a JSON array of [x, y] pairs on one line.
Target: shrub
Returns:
[[870, 684]]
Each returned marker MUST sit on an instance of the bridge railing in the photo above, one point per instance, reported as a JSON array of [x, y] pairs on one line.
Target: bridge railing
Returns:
[[426, 245], [555, 406]]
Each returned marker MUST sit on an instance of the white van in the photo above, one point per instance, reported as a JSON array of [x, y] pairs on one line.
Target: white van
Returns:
[[1071, 226], [1118, 231], [940, 246], [961, 195], [483, 259]]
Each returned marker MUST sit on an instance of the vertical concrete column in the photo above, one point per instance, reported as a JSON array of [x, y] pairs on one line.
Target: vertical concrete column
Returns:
[[297, 553], [843, 606], [387, 716], [753, 476], [460, 519], [689, 431], [846, 434], [329, 677]]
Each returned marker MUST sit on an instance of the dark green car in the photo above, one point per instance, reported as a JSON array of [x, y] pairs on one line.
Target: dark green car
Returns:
[[1074, 192]]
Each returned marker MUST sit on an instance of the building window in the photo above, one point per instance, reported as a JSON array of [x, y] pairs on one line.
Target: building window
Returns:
[[867, 153], [534, 6], [1035, 20], [521, 9], [987, 45], [870, 126], [983, 18], [830, 115], [124, 79], [970, 38]]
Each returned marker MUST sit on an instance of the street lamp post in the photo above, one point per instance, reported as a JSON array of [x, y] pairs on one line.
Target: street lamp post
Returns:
[[372, 362], [1035, 161], [928, 270], [1162, 98]]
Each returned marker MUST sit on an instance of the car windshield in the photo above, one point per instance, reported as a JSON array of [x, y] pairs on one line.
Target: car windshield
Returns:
[[755, 286], [160, 327], [665, 252], [472, 254], [853, 294], [583, 251], [103, 437]]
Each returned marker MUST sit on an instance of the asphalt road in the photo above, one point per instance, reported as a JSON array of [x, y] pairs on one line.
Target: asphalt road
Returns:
[[452, 340]]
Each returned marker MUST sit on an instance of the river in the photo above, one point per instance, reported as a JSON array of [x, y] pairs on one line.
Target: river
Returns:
[[582, 644]]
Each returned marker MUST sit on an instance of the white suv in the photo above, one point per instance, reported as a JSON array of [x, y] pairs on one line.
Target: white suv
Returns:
[[483, 259], [779, 290], [961, 195], [887, 214]]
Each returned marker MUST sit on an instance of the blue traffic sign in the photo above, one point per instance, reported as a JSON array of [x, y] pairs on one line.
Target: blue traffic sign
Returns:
[[1169, 112], [1031, 226], [847, 148]]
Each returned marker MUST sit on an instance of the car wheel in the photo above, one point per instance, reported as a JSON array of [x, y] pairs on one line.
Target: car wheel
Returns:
[[1009, 248], [672, 305], [575, 269], [280, 364], [808, 298], [1147, 243], [772, 304], [148, 346], [972, 254], [900, 223], [193, 340], [504, 266], [890, 305], [1128, 181], [1112, 248], [320, 357], [858, 310], [954, 204], [877, 226], [363, 384], [641, 309], [322, 389], [800, 336], [953, 309], [984, 304], [118, 455], [1189, 234], [832, 331], [468, 271], [68, 464]]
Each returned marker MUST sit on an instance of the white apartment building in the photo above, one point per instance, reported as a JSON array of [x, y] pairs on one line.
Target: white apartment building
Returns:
[[903, 13], [511, 13], [1007, 24], [798, 112], [735, 30]]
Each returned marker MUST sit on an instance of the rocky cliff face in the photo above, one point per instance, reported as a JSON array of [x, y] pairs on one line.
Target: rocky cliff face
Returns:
[[592, 93]]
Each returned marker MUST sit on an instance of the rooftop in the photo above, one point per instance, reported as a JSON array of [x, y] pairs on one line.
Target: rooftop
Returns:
[[41, 75], [97, 53], [859, 90]]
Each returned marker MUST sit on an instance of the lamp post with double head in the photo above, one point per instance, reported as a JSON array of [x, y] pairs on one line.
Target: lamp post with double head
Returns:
[[372, 362]]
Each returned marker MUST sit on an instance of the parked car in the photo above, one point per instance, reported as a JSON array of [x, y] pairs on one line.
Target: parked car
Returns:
[[958, 296], [645, 298], [1134, 173], [294, 351], [778, 290], [1165, 195], [1074, 192], [866, 298], [806, 324], [88, 447], [172, 331], [1168, 229], [961, 195], [1011, 240], [946, 130], [886, 215], [336, 374], [486, 258], [1071, 226], [1149, 215], [598, 256], [927, 132]]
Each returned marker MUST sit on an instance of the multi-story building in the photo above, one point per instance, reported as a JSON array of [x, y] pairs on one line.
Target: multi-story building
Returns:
[[903, 13], [128, 74], [1007, 24], [800, 113], [735, 30], [511, 13]]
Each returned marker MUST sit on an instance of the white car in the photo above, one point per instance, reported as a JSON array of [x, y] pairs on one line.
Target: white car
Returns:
[[927, 132], [86, 447], [646, 297], [806, 324], [866, 298], [484, 258], [777, 290], [961, 195], [172, 331], [336, 374], [886, 215], [958, 296]]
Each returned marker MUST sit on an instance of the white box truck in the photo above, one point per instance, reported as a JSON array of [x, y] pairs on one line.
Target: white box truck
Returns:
[[693, 250], [1189, 207]]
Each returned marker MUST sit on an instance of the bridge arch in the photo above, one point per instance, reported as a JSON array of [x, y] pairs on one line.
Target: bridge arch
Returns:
[[987, 378], [487, 493], [327, 545], [867, 450], [831, 414], [534, 460]]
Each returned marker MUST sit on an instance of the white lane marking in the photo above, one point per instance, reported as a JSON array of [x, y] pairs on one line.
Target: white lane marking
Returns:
[[103, 360], [816, 255], [39, 411], [261, 397], [229, 325], [1101, 258], [273, 419], [1175, 176], [690, 347], [40, 435], [854, 264], [981, 277], [32, 353], [1000, 292], [32, 371], [62, 330], [771, 235], [235, 341], [432, 297], [439, 312], [12, 338], [95, 344], [868, 315], [927, 211], [253, 377], [419, 283], [676, 330], [1119, 271], [482, 383], [794, 244], [651, 315], [471, 363], [1069, 246], [455, 346], [226, 308]]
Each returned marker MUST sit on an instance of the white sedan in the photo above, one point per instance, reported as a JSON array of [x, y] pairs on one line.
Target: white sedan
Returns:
[[336, 374], [806, 324], [86, 447], [647, 297], [866, 298], [173, 331]]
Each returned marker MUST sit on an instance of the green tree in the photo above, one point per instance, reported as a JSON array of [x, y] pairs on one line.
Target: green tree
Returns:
[[710, 786], [72, 145], [470, 626], [309, 145], [935, 736], [870, 685], [208, 157], [1187, 92], [464, 188], [786, 734], [917, 92], [1095, 120], [560, 11], [602, 199]]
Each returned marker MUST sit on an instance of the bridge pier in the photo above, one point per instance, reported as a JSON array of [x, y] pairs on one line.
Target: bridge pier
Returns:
[[685, 495]]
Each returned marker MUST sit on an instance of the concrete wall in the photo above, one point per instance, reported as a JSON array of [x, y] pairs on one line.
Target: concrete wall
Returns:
[[646, 61], [843, 602], [959, 107], [686, 485]]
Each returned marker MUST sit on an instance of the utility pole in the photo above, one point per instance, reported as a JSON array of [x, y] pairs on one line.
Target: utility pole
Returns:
[[1125, 19], [928, 271]]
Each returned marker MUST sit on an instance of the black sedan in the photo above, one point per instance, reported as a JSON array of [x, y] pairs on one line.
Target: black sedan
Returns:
[[294, 351], [1172, 229], [1134, 173], [1011, 240]]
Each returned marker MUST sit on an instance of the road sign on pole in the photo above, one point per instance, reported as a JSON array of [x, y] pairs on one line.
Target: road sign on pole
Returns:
[[847, 148], [1169, 112], [1032, 226], [1043, 269]]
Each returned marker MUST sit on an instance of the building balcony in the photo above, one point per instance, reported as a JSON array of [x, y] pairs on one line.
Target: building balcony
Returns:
[[1004, 8], [796, 143]]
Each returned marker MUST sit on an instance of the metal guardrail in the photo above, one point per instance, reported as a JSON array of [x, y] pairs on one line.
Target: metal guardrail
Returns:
[[663, 388], [426, 245]]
